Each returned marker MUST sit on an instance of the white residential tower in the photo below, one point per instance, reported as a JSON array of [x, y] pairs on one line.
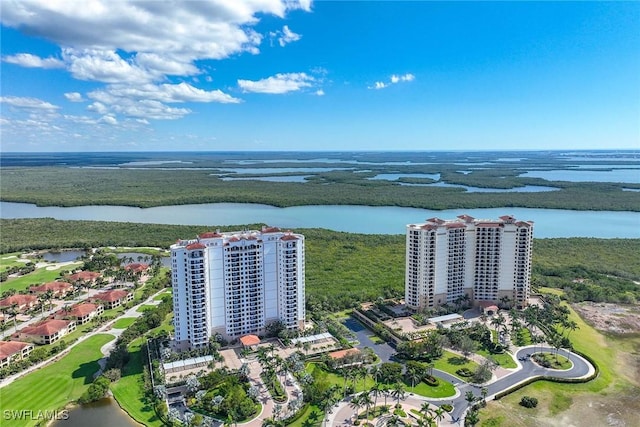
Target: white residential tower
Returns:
[[236, 283], [467, 258]]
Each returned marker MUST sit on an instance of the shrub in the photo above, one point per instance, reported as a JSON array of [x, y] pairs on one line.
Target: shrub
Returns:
[[529, 402], [431, 381], [464, 372]]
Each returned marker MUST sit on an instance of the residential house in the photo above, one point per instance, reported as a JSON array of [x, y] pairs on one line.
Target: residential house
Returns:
[[114, 298], [81, 313], [59, 289], [22, 302], [48, 331], [13, 350]]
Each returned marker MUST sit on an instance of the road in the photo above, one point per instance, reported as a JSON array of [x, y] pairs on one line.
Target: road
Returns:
[[342, 413]]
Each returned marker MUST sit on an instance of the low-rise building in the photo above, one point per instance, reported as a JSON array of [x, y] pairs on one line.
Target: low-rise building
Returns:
[[21, 302], [88, 277], [114, 298], [137, 267], [59, 289], [47, 332], [13, 350], [81, 313]]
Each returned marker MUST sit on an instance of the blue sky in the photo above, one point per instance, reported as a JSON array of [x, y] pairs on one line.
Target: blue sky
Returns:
[[298, 75]]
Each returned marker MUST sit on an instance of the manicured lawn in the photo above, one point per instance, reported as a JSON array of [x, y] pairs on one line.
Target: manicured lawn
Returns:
[[41, 275], [145, 307], [557, 361], [55, 385], [376, 339], [162, 295], [317, 371], [503, 359], [450, 362], [128, 389], [311, 417], [124, 323], [444, 389], [10, 260]]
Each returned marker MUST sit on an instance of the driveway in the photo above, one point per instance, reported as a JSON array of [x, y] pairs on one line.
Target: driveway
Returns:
[[384, 351], [342, 414]]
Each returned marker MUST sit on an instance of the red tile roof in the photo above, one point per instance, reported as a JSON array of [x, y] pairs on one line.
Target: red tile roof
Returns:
[[48, 327], [270, 230], [195, 246], [9, 348], [18, 299], [137, 267], [489, 224], [111, 296], [82, 310], [51, 286], [342, 353], [249, 340], [289, 237], [209, 235], [84, 275], [455, 225]]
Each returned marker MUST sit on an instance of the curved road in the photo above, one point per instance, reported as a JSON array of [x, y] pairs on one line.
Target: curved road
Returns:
[[342, 414]]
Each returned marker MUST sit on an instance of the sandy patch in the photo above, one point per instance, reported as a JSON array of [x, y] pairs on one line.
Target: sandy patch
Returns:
[[55, 266], [612, 318]]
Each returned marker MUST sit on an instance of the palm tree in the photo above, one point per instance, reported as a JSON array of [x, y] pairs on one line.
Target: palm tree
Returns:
[[398, 392], [375, 373], [14, 312], [425, 409], [376, 390], [355, 404], [438, 415], [365, 399], [470, 397]]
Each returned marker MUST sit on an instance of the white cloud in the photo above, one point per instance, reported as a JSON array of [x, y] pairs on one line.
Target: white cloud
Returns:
[[30, 103], [395, 78], [184, 31], [133, 46], [320, 92], [104, 66], [110, 120], [378, 85], [280, 83], [33, 61], [74, 96], [98, 107], [288, 36], [182, 92]]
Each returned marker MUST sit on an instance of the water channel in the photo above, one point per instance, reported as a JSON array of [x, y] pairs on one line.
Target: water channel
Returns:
[[355, 219]]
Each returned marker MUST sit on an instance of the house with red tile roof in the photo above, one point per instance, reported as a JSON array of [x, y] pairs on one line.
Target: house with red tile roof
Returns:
[[23, 302], [81, 313], [84, 276], [13, 350], [59, 289], [48, 331], [114, 298], [137, 267]]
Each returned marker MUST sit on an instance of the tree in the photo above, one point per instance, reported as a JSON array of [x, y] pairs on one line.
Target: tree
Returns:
[[376, 391], [365, 399], [398, 392], [467, 346], [469, 397], [355, 404], [438, 415]]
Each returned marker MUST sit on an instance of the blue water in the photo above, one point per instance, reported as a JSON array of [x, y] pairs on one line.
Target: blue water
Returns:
[[290, 178], [395, 176], [355, 219], [616, 175]]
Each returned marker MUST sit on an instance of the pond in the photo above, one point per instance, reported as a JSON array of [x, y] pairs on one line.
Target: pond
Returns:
[[103, 413], [62, 256]]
